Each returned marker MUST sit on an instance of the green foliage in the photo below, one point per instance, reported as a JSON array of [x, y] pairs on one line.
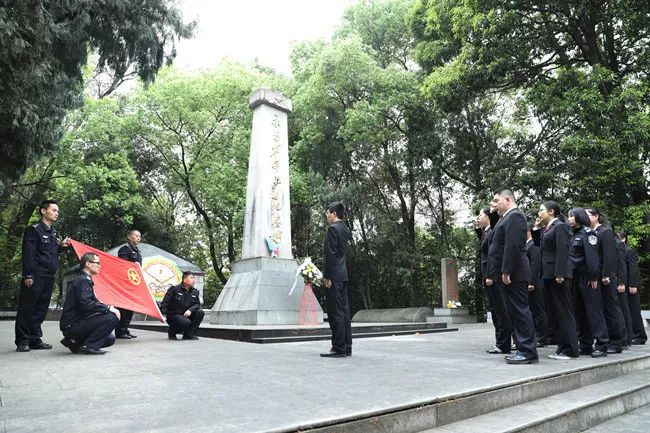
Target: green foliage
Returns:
[[43, 49]]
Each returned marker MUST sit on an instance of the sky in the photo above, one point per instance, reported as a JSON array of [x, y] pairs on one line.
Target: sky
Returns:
[[253, 29]]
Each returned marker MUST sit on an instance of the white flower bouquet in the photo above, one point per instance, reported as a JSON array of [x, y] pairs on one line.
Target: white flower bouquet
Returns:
[[310, 273]]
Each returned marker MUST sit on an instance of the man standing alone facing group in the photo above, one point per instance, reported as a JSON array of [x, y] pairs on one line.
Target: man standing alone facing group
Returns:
[[335, 279]]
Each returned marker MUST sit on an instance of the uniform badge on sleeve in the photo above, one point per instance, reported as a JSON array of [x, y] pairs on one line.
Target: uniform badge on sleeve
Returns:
[[593, 240]]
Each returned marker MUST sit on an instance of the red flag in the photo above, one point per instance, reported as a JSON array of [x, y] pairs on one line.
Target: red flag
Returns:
[[120, 283]]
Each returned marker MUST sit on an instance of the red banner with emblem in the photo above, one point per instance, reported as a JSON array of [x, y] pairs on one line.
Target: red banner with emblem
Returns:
[[120, 282]]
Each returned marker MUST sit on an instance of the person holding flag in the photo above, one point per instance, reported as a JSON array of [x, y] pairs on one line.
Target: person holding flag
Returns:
[[86, 323], [131, 253]]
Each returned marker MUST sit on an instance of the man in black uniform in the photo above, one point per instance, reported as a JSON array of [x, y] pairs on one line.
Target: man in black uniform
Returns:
[[86, 323], [536, 290], [41, 250], [486, 222], [622, 277], [639, 335], [335, 280], [182, 306], [131, 253], [508, 266], [608, 256]]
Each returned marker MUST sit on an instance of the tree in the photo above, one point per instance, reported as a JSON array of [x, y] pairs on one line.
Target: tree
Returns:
[[580, 67], [363, 128], [43, 48]]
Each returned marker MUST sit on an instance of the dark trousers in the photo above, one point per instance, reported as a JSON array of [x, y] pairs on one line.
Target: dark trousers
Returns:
[[638, 330], [187, 325], [551, 321], [32, 308], [590, 316], [516, 296], [613, 314], [627, 318], [538, 308], [122, 327], [95, 331], [338, 316], [500, 317], [566, 335]]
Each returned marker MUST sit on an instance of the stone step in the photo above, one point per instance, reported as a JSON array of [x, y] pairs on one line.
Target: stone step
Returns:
[[355, 335], [570, 411], [292, 333], [611, 387], [635, 421], [453, 320]]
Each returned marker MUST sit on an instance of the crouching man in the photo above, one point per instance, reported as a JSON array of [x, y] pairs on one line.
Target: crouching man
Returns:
[[86, 323], [182, 307]]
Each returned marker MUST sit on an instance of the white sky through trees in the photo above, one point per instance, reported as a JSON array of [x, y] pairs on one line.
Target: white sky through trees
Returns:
[[246, 30]]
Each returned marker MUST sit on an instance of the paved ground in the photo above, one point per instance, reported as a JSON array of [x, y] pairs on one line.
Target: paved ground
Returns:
[[152, 384]]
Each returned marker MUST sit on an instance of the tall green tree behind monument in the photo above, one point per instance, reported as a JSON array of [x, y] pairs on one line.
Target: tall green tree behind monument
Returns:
[[364, 128], [45, 44]]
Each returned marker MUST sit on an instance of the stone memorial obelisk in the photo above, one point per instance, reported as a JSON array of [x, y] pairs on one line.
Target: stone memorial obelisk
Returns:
[[257, 292]]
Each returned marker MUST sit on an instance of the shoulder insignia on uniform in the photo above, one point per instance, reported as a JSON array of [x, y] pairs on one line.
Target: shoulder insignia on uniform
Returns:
[[588, 229], [35, 225], [593, 240]]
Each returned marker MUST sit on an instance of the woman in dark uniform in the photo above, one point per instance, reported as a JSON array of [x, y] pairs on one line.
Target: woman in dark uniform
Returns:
[[588, 303]]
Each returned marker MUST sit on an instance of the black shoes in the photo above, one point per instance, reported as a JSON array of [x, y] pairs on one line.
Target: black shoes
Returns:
[[23, 347], [40, 346], [123, 337], [598, 354], [541, 344], [172, 335], [612, 350], [333, 354], [496, 351], [90, 351], [638, 341], [190, 337], [71, 344], [521, 359]]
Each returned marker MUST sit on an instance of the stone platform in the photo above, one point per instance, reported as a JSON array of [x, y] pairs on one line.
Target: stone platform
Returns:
[[390, 384], [296, 333]]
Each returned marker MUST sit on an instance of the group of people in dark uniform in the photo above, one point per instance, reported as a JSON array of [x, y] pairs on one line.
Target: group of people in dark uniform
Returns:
[[87, 324], [567, 282]]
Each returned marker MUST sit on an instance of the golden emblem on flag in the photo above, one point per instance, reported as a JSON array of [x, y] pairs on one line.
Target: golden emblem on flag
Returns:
[[133, 276]]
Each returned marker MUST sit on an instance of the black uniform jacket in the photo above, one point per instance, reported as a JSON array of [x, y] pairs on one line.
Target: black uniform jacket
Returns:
[[177, 300], [131, 253], [336, 241], [80, 302], [632, 268], [621, 269], [534, 254], [40, 251], [607, 251], [555, 250], [507, 248], [583, 253], [484, 235]]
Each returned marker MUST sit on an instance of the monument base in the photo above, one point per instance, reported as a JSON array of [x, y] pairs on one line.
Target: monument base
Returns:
[[451, 316], [257, 293]]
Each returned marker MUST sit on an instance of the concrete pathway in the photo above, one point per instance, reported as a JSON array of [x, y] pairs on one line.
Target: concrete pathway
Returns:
[[152, 384]]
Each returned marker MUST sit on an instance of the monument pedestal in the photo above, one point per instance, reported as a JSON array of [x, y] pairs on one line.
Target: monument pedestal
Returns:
[[451, 316], [257, 293]]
